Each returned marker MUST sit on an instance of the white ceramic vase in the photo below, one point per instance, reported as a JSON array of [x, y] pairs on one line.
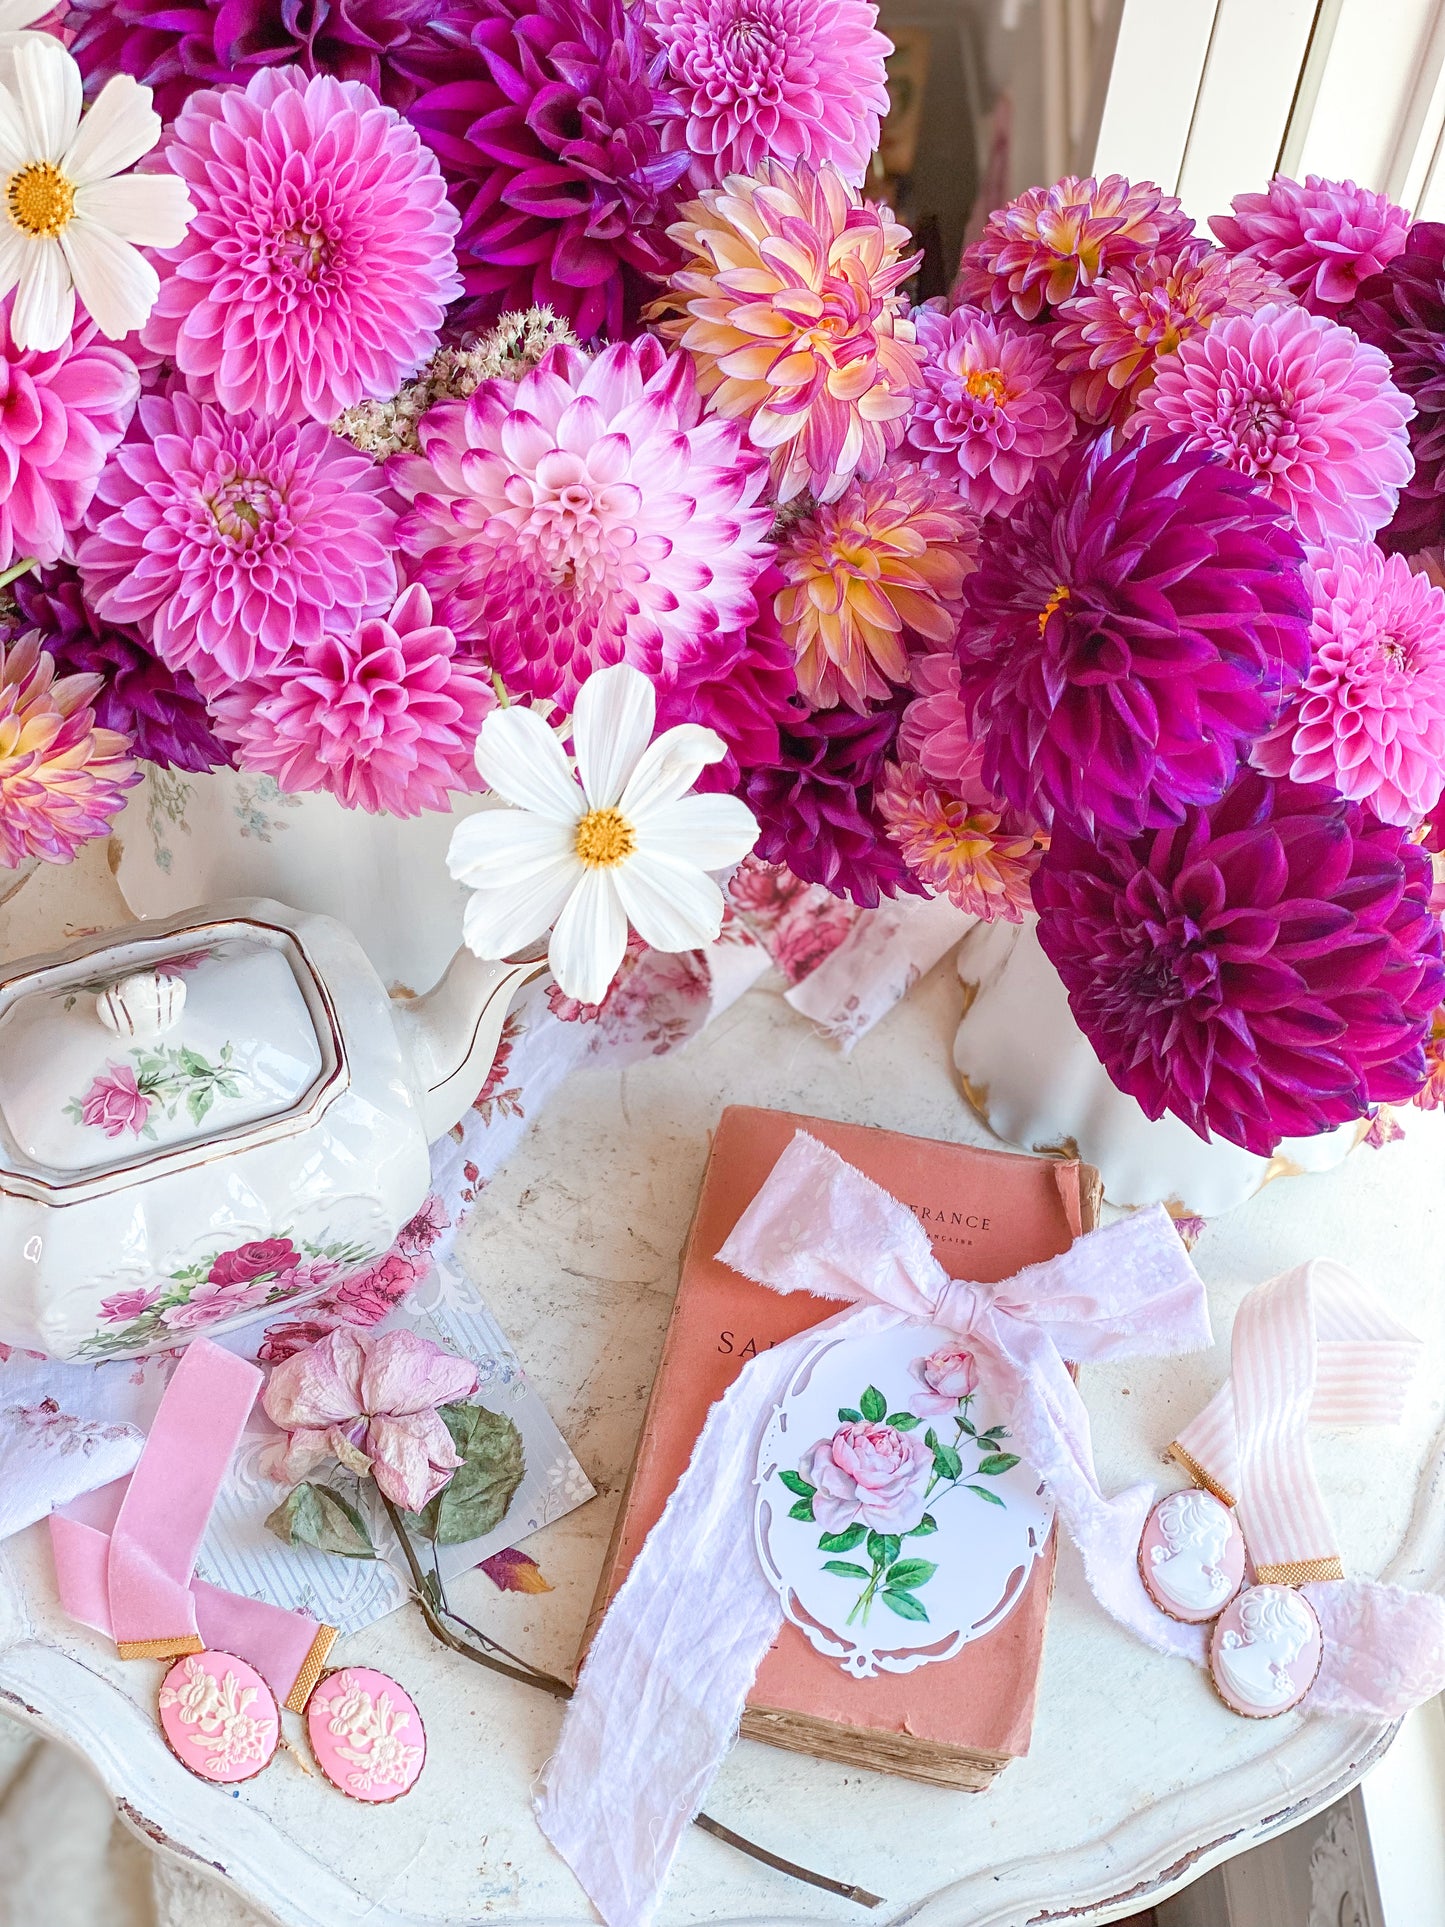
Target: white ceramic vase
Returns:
[[186, 839], [1034, 1078]]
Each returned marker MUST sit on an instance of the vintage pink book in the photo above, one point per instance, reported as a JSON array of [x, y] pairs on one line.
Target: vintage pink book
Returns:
[[988, 1214]]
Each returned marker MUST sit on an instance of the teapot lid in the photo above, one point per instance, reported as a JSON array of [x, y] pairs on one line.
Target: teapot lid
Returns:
[[140, 1049]]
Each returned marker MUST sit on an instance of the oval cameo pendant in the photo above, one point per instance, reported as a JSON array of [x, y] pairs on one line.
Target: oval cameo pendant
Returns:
[[1191, 1556], [1265, 1651]]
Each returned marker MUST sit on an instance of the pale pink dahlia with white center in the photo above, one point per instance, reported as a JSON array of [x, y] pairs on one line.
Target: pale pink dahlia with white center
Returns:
[[1369, 718], [318, 266], [586, 515], [62, 779], [786, 80], [229, 540], [385, 717], [1300, 405], [790, 307], [62, 411], [992, 407]]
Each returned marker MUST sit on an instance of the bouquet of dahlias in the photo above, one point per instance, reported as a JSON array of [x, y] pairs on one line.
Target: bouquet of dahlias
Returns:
[[522, 396]]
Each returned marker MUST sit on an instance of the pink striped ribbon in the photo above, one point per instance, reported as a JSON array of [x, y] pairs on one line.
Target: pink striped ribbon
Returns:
[[1315, 1347]]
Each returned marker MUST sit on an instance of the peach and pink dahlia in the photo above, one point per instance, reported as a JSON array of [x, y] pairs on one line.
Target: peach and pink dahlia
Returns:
[[963, 849], [882, 563], [1049, 241], [789, 305], [62, 779], [586, 515]]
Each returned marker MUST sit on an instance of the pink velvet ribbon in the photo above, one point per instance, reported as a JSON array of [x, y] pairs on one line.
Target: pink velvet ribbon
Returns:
[[1315, 1347], [136, 1582], [667, 1676]]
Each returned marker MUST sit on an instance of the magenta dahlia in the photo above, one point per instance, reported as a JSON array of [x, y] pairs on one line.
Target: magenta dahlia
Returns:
[[1402, 311], [1128, 633], [551, 134], [392, 46], [788, 80], [991, 408], [227, 539], [160, 710], [1049, 241], [61, 414], [1298, 403], [1322, 238], [385, 717], [1369, 718], [745, 688], [586, 515], [318, 265], [1112, 336], [817, 807], [1266, 969]]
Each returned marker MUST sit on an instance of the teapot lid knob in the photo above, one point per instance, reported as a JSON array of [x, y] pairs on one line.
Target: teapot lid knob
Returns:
[[145, 1004]]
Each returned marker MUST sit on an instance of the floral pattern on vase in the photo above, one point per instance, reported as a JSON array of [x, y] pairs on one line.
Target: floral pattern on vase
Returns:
[[123, 1098], [246, 1278]]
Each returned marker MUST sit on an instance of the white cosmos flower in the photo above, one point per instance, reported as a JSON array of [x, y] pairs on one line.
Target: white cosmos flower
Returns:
[[72, 217], [621, 841]]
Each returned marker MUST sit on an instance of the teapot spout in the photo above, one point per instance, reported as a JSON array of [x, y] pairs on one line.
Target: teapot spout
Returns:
[[453, 1031]]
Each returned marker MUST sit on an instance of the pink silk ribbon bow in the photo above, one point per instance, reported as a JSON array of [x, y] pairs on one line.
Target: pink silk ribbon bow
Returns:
[[135, 1582], [1315, 1347], [666, 1679]]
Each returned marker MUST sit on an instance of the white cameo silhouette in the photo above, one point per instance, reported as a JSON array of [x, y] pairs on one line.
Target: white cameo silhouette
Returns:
[[1188, 1569], [1275, 1627]]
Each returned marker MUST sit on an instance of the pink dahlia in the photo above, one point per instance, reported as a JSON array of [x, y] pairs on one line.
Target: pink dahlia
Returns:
[[1128, 633], [586, 515], [318, 266], [62, 779], [550, 130], [1035, 252], [1299, 403], [745, 688], [789, 306], [883, 562], [391, 45], [1111, 337], [991, 409], [964, 851], [1322, 239], [1369, 718], [384, 717], [228, 540], [936, 732], [61, 414], [1266, 969], [784, 80]]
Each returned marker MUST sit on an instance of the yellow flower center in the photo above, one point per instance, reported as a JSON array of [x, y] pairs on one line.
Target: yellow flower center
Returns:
[[1059, 596], [986, 381], [40, 200], [605, 838]]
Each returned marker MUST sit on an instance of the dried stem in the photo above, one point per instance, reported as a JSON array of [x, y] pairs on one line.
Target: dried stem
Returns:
[[559, 1688]]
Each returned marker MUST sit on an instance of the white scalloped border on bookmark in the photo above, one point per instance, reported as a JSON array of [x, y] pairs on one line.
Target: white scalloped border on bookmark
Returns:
[[939, 1550]]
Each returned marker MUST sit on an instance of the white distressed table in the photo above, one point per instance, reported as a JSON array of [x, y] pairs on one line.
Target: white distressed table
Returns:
[[1138, 1779]]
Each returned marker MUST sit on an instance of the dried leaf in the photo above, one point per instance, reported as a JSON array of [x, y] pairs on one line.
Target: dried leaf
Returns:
[[314, 1515], [474, 1500]]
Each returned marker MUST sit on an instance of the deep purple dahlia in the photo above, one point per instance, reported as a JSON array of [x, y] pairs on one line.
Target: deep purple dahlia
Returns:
[[394, 46], [1128, 633], [746, 690], [159, 709], [1402, 311], [816, 805], [1267, 969], [551, 138]]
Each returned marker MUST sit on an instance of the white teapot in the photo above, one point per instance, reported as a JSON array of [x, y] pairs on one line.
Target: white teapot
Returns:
[[204, 1116]]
